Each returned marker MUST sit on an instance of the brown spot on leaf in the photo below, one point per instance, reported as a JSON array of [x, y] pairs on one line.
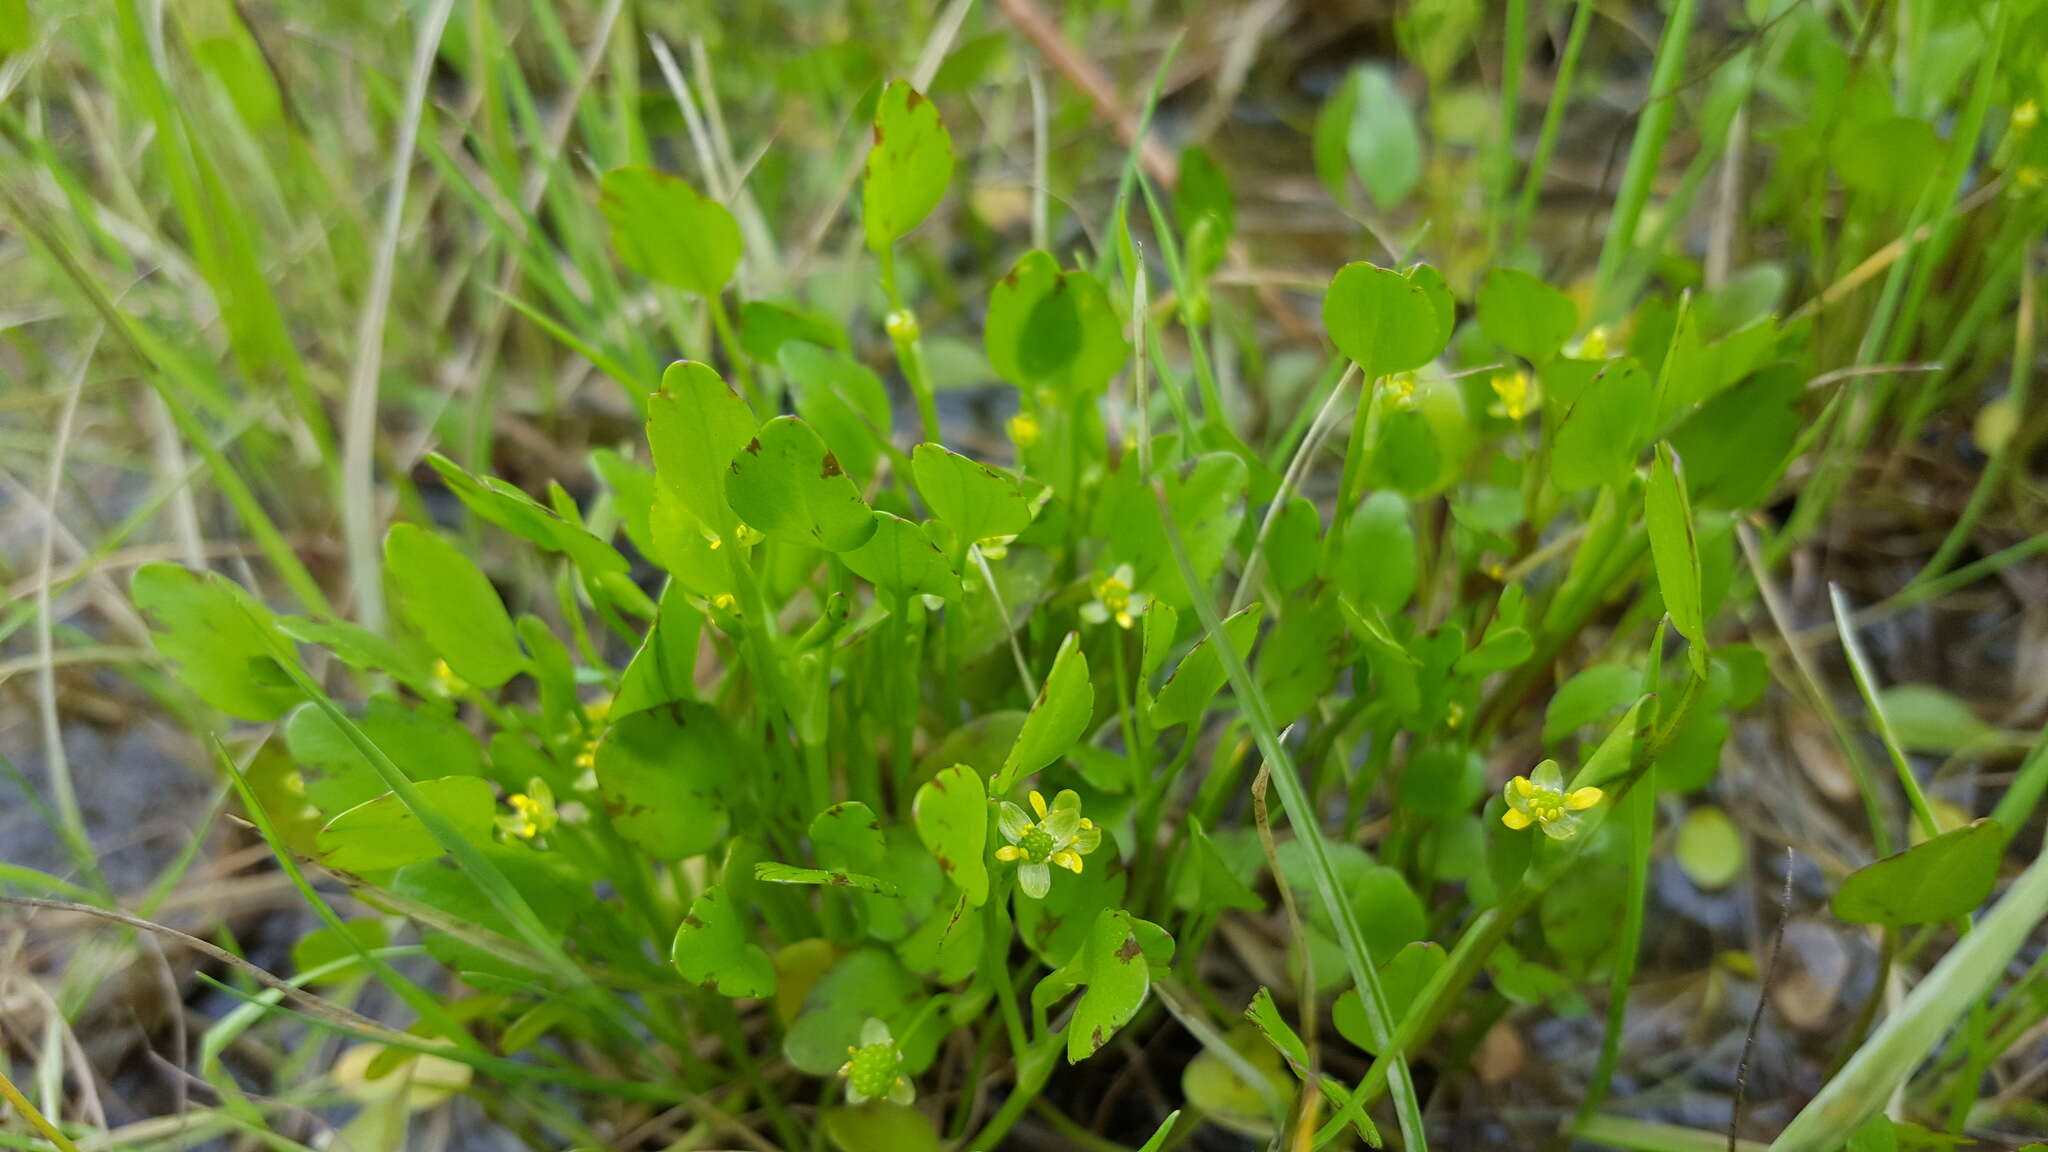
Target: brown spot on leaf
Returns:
[[692, 921], [754, 446], [831, 468], [1128, 950], [1096, 1039]]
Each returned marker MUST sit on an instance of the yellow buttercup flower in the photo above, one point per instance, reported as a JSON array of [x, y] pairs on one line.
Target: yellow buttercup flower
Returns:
[[1114, 599], [1541, 799], [1024, 429], [1060, 835], [1594, 346], [1517, 395], [1401, 388], [447, 681], [533, 811]]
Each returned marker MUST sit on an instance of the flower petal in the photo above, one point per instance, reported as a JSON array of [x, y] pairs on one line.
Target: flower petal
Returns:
[[1035, 879], [1063, 824], [1038, 803], [1070, 860], [1564, 827], [1548, 776], [1012, 821], [902, 1092], [1009, 852], [1087, 840], [1517, 792], [1093, 612], [1516, 818], [1067, 798], [1583, 798], [874, 1031]]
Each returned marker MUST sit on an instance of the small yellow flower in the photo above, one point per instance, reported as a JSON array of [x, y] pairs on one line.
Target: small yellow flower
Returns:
[[2024, 116], [1518, 396], [1594, 346], [1401, 388], [1454, 715], [1060, 836], [533, 811], [726, 602], [2030, 178], [1024, 429], [1114, 599], [1541, 799], [447, 681], [874, 1071]]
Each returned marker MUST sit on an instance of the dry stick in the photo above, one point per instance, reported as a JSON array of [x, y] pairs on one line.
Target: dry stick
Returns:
[[1763, 997], [359, 427], [314, 1004], [1164, 170]]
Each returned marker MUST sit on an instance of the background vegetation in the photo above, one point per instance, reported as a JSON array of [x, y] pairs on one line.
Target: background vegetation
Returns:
[[431, 716]]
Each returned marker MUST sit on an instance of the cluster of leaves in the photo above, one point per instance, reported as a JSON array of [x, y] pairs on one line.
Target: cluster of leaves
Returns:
[[773, 761]]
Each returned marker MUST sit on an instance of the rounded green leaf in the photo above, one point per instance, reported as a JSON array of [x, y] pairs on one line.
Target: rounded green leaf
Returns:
[[1599, 433], [843, 399], [1052, 329], [1383, 320], [1942, 879], [696, 424], [224, 643], [879, 1126], [1112, 965], [1524, 315], [907, 169], [1376, 564], [1710, 848], [1200, 675], [668, 232], [449, 601], [713, 948], [1059, 717], [383, 833], [951, 814], [787, 484], [973, 499], [901, 559], [662, 775]]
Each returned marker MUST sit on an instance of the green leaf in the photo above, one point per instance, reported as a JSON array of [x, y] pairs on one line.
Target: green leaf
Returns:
[[951, 814], [1599, 430], [1524, 315], [1738, 444], [976, 501], [907, 169], [1205, 881], [1366, 128], [1590, 694], [1059, 717], [1053, 330], [843, 399], [879, 1126], [1926, 719], [1200, 675], [775, 873], [1942, 879], [666, 231], [696, 424], [901, 559], [665, 667], [1295, 544], [868, 982], [787, 484], [662, 775], [1674, 549], [224, 644], [1384, 145], [766, 326], [1112, 967], [383, 833], [448, 600], [1376, 564], [424, 741], [1710, 848], [1383, 320], [1402, 979], [712, 948]]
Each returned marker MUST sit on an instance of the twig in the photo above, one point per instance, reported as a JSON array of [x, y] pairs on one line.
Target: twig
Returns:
[[1763, 997]]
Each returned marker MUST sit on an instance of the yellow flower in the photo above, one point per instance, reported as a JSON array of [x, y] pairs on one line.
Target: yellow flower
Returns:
[[1594, 346], [1401, 388], [533, 811], [1060, 836], [1023, 429], [2024, 116], [447, 681], [1517, 395], [1114, 599], [1542, 800]]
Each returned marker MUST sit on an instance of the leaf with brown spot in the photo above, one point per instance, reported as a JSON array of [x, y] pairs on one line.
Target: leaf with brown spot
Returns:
[[951, 814], [787, 486]]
